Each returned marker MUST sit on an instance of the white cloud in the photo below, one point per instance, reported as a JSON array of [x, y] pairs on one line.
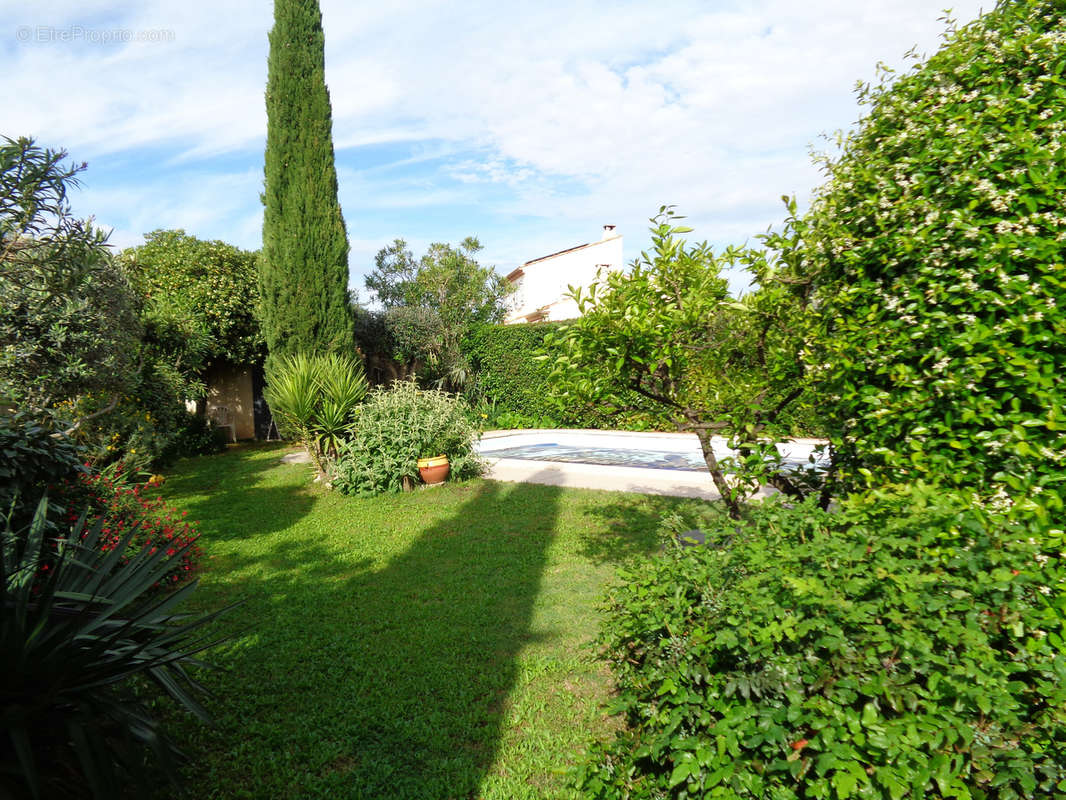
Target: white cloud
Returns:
[[530, 124]]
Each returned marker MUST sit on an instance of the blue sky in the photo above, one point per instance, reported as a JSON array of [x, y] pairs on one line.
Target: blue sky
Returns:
[[528, 126]]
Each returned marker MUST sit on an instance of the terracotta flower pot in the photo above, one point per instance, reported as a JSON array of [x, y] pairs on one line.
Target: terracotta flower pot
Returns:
[[435, 470]]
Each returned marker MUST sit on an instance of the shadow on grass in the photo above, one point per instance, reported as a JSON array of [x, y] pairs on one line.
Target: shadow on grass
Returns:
[[386, 683], [632, 526]]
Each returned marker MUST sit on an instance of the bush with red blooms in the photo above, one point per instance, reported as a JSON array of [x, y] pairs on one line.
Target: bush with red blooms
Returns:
[[122, 506]]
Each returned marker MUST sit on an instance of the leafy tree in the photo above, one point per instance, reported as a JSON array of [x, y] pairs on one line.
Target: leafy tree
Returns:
[[394, 275], [197, 290], [303, 275], [198, 303], [77, 343], [937, 250], [430, 304], [67, 321], [667, 339]]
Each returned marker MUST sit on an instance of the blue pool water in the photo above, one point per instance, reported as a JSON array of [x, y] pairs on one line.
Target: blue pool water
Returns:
[[611, 457]]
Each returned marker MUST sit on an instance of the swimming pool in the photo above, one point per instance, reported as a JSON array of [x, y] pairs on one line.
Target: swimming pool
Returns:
[[665, 451]]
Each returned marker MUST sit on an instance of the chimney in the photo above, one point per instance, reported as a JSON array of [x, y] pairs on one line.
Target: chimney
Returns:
[[608, 232]]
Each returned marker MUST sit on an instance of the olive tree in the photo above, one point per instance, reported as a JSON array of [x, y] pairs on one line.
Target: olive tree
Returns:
[[430, 305]]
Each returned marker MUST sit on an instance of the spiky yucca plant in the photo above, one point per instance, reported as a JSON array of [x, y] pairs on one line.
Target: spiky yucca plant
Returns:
[[75, 627], [316, 398]]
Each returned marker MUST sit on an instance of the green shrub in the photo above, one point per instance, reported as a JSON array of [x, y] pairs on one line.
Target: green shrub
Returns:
[[67, 319], [73, 632], [397, 427], [315, 399], [142, 428], [508, 375], [937, 251], [32, 458], [908, 646], [195, 436]]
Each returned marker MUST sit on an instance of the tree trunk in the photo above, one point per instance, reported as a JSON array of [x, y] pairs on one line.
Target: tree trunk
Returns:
[[717, 475]]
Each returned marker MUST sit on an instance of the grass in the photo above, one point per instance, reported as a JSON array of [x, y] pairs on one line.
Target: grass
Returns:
[[426, 645]]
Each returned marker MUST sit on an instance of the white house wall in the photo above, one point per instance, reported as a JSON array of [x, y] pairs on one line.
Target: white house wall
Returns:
[[543, 283]]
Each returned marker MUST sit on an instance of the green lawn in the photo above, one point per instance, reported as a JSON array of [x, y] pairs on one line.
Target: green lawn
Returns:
[[427, 645]]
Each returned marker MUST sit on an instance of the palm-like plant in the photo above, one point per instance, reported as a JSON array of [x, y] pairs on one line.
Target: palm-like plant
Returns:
[[316, 398], [75, 627]]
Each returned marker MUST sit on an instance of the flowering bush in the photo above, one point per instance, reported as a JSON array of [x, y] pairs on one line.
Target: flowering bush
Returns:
[[121, 506], [937, 249]]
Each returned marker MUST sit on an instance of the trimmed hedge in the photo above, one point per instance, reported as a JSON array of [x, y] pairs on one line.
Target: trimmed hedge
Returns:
[[509, 377], [514, 388]]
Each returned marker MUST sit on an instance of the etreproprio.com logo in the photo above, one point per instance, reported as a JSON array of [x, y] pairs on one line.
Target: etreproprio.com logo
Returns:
[[48, 34]]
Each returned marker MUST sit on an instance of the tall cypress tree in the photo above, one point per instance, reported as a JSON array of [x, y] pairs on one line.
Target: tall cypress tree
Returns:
[[303, 273]]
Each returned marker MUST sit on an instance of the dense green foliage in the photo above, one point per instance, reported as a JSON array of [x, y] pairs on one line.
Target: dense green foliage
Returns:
[[197, 302], [666, 339], [31, 459], [513, 386], [111, 362], [431, 303], [67, 320], [194, 436], [396, 427], [509, 378], [303, 276], [199, 299], [315, 400], [392, 342], [908, 646], [73, 632], [937, 249], [426, 645]]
